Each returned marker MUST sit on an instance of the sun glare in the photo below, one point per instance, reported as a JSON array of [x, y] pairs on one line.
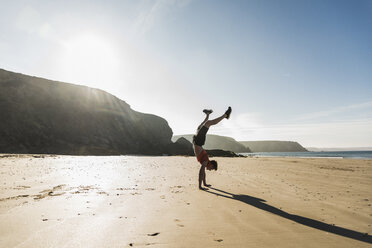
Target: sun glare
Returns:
[[89, 59]]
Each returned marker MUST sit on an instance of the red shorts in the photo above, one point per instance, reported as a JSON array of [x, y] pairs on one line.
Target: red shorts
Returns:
[[202, 157]]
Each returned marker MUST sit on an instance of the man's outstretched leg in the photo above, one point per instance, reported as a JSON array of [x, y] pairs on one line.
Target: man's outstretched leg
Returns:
[[207, 113], [217, 120]]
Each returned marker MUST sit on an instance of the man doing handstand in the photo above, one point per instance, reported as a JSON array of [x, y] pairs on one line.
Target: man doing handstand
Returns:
[[199, 141]]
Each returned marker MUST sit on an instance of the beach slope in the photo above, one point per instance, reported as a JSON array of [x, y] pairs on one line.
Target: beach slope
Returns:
[[129, 201]]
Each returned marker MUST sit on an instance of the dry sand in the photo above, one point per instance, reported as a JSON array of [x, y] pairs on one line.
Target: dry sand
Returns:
[[128, 201]]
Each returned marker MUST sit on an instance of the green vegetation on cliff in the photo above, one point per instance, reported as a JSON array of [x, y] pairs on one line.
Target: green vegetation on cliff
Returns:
[[273, 146], [217, 142]]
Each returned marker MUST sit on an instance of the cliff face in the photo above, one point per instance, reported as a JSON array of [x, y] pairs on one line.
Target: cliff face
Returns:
[[273, 146], [217, 142], [43, 116]]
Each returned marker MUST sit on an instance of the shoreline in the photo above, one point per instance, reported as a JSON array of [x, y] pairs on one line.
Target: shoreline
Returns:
[[366, 155]]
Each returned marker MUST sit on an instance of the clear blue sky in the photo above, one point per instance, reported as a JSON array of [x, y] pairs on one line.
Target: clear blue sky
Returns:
[[291, 70]]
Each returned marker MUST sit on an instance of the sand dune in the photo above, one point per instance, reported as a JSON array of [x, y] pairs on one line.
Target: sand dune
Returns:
[[127, 201]]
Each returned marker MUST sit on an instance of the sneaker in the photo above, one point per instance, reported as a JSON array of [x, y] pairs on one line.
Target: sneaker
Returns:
[[228, 112], [207, 111]]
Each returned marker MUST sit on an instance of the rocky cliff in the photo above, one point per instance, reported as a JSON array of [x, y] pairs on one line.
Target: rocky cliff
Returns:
[[44, 116], [273, 146], [218, 142]]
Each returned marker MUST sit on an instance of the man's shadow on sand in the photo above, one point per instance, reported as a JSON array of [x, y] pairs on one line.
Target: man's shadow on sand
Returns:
[[260, 203]]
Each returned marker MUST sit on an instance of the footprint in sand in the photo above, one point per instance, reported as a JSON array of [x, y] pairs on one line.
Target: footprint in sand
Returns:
[[153, 234], [50, 192], [176, 191], [180, 225], [13, 197], [102, 193], [19, 187], [131, 244], [126, 189]]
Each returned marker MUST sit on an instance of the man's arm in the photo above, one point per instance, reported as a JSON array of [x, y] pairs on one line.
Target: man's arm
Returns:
[[201, 175], [205, 182]]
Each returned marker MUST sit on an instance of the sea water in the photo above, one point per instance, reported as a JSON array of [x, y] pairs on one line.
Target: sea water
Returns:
[[333, 154]]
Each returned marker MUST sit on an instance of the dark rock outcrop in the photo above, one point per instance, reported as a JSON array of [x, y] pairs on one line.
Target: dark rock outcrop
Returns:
[[273, 146], [184, 147], [181, 147], [43, 116], [218, 142]]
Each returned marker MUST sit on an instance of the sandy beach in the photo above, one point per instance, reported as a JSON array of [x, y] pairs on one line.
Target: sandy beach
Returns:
[[130, 201]]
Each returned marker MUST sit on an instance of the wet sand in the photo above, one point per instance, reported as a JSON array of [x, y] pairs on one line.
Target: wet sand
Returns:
[[129, 201]]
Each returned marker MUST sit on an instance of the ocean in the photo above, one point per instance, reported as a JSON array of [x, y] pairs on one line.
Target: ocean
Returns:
[[333, 154]]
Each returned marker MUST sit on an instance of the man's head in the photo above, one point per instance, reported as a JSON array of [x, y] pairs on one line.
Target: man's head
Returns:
[[213, 165]]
